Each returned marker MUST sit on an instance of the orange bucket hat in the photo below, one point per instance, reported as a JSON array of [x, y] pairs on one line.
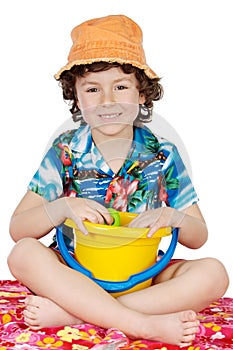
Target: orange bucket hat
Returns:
[[114, 38]]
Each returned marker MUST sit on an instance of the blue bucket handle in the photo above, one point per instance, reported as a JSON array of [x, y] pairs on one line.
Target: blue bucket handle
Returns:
[[133, 280]]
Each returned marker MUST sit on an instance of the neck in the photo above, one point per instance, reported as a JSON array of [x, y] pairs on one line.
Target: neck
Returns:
[[115, 151]]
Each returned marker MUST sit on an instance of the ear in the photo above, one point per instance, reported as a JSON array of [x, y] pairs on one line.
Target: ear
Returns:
[[142, 99]]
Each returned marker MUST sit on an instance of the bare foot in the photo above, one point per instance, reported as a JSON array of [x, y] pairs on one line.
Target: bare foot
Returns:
[[177, 328], [42, 312]]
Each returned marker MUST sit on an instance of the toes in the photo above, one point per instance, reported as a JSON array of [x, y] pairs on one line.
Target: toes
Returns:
[[29, 314], [28, 299], [33, 313], [187, 340], [189, 315], [30, 322], [32, 326], [35, 328], [31, 308], [189, 325], [192, 330], [184, 345]]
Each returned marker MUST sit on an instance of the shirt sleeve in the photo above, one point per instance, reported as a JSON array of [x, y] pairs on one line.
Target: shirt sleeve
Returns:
[[178, 185], [47, 181]]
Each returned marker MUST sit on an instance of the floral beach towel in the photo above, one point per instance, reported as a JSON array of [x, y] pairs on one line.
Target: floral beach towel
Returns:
[[216, 330]]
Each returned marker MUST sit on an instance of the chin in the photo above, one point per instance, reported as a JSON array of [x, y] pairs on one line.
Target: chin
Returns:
[[114, 130]]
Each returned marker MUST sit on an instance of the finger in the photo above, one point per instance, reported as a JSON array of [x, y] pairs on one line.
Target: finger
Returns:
[[79, 223], [104, 216], [133, 223], [92, 216], [100, 218], [108, 219], [152, 231], [138, 222], [102, 213]]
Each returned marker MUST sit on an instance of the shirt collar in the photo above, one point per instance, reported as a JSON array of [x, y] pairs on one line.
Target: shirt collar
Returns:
[[82, 141]]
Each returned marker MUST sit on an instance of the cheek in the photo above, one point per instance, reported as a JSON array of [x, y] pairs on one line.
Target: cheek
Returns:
[[134, 111], [86, 115], [131, 111], [86, 103], [82, 100], [89, 114], [81, 103]]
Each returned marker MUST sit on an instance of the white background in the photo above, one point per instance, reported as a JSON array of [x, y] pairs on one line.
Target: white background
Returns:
[[188, 43]]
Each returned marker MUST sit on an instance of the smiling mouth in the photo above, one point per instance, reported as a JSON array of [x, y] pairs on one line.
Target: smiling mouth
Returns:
[[109, 116]]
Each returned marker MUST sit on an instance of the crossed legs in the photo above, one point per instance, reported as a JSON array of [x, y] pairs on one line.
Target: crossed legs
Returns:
[[64, 296]]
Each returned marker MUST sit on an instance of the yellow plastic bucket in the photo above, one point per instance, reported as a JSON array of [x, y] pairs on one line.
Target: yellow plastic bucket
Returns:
[[114, 253]]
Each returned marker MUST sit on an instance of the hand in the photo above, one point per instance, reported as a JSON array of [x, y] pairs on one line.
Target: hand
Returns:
[[80, 209], [158, 218]]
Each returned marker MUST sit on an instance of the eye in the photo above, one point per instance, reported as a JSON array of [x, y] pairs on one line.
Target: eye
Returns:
[[93, 89], [121, 87]]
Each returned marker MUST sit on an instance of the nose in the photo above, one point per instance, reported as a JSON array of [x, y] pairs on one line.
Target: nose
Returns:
[[108, 97]]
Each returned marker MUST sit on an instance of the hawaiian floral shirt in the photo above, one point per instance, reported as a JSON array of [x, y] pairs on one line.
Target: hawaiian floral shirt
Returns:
[[153, 174]]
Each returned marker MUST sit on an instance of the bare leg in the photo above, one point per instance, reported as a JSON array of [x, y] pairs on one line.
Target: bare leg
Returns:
[[146, 300], [188, 284], [39, 268]]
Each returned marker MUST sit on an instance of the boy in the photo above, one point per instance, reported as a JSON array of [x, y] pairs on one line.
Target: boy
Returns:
[[112, 160]]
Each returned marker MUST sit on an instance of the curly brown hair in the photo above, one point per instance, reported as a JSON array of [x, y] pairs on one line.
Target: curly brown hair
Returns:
[[150, 88]]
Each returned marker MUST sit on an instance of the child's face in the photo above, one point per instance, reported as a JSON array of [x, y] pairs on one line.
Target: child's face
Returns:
[[109, 101]]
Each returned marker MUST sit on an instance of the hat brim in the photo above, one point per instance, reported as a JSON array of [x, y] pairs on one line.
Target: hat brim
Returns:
[[147, 70]]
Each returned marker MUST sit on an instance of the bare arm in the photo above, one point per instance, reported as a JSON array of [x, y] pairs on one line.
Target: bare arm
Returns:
[[31, 218], [193, 230], [35, 217]]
